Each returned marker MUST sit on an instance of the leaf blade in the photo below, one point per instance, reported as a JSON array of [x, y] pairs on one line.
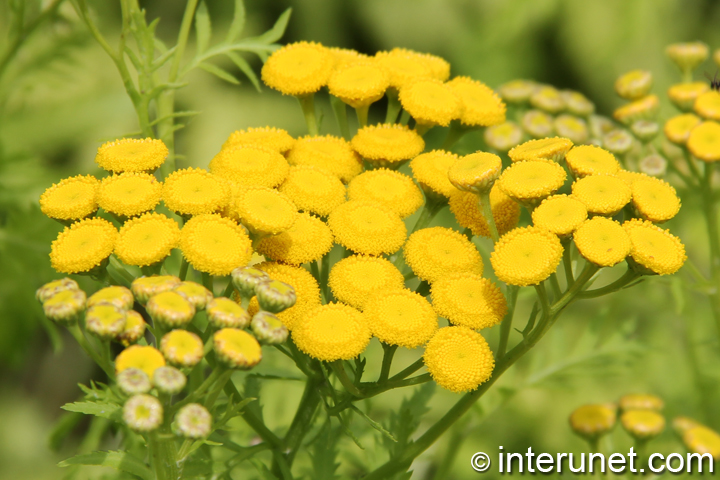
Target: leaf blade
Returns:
[[122, 461]]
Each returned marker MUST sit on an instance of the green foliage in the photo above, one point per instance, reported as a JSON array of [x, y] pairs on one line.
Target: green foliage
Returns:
[[122, 461], [406, 420]]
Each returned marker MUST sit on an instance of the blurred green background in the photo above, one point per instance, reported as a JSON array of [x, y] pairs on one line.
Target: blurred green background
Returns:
[[61, 97]]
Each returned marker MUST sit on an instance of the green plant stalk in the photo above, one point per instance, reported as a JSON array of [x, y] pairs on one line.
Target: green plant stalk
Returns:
[[506, 326], [711, 221], [339, 368], [567, 262], [163, 454], [307, 103], [340, 110], [303, 418], [394, 107], [455, 133], [76, 332], [324, 276], [362, 115], [486, 207], [388, 353], [628, 276]]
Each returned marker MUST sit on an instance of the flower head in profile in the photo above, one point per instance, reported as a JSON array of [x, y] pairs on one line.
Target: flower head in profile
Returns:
[[480, 105], [116, 295], [642, 424], [465, 207], [572, 127], [356, 279], [194, 191], [530, 182], [359, 84], [145, 287], [236, 348], [644, 108], [433, 252], [71, 199], [170, 309], [577, 104], [182, 348], [270, 138], [194, 293], [593, 421], [83, 245], [544, 148], [225, 313], [469, 300], [327, 152], [430, 102], [475, 172], [313, 190], [332, 332], [367, 227], [641, 401], [51, 288], [602, 194], [134, 329], [655, 199], [503, 136], [548, 99], [401, 317], [393, 190], [683, 95], [704, 141], [678, 128], [145, 358], [654, 250], [517, 91], [687, 56], [265, 211], [701, 439], [299, 68], [214, 244], [388, 142], [526, 256], [538, 124], [147, 239], [132, 155], [430, 170], [584, 160], [403, 66], [634, 84], [64, 306]]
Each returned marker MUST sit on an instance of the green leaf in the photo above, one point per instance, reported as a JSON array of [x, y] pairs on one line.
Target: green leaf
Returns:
[[406, 420], [99, 409], [265, 474], [244, 67], [219, 72], [377, 426], [324, 454], [63, 427], [251, 389], [162, 59], [238, 22], [203, 28], [122, 461], [346, 430], [276, 32]]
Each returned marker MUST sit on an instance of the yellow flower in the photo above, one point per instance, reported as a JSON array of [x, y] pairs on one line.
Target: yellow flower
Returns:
[[602, 241], [129, 194], [653, 248], [655, 199], [547, 98], [246, 165], [71, 199], [702, 440], [367, 227], [602, 194], [642, 109], [147, 240], [678, 128], [105, 320], [687, 56], [629, 177], [430, 102], [307, 292], [194, 191], [634, 84], [593, 421], [145, 358], [707, 105], [313, 189], [131, 155], [543, 148], [436, 67], [653, 165], [618, 141], [683, 424], [83, 245], [306, 241], [560, 214], [704, 141], [538, 123], [391, 143], [433, 252], [683, 95], [214, 244], [459, 359], [194, 293], [170, 309], [475, 172], [480, 105], [346, 56], [270, 138], [333, 154], [467, 211], [401, 317], [356, 279], [431, 172], [404, 66], [517, 91], [145, 287], [51, 288], [526, 256], [504, 136], [332, 332], [643, 424], [584, 160], [298, 68], [530, 182], [394, 191], [134, 328], [468, 300], [64, 306], [571, 127], [182, 348], [641, 401], [577, 103], [237, 348], [225, 313], [265, 211], [359, 84], [121, 297]]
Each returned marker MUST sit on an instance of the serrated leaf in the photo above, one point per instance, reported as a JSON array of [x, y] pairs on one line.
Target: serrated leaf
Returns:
[[238, 22], [265, 474], [377, 426], [203, 28], [219, 72], [406, 420], [348, 432], [244, 67], [122, 461], [277, 31], [160, 61], [99, 409], [324, 454]]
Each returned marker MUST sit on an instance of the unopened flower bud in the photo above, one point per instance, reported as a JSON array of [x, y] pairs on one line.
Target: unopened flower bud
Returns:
[[577, 103], [643, 424], [236, 348], [593, 421], [475, 172], [600, 125], [654, 165], [617, 142], [51, 288], [105, 320], [687, 56], [134, 328], [538, 124], [503, 137], [645, 130], [641, 401], [572, 127], [169, 380], [643, 109], [225, 313], [194, 293], [275, 296], [143, 413], [170, 309], [133, 381], [701, 439], [634, 84], [145, 287], [182, 348], [548, 99], [683, 95], [193, 421], [268, 328], [119, 296], [64, 306], [245, 279], [144, 357], [517, 91]]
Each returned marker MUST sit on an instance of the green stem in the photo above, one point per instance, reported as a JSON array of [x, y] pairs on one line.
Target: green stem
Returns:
[[362, 115], [207, 281], [324, 276], [339, 368], [303, 419], [90, 351], [389, 352], [183, 269], [455, 133], [555, 285], [417, 365], [506, 326], [340, 111], [430, 209], [486, 207], [567, 262], [307, 103], [628, 276], [163, 452], [712, 230], [543, 297], [394, 105]]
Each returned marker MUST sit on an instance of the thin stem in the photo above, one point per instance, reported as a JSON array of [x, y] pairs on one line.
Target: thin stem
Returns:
[[389, 352], [417, 365], [555, 285], [486, 207], [543, 297], [340, 111], [567, 263], [506, 326], [339, 368], [183, 269], [207, 281], [362, 115], [712, 231], [303, 418], [454, 134], [324, 276], [307, 103], [394, 106], [97, 358], [628, 276], [430, 209]]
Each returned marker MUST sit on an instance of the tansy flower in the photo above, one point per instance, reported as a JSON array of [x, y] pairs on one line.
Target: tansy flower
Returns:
[[634, 84], [577, 103], [641, 401], [629, 177], [480, 105], [356, 279], [593, 421], [265, 211], [617, 141], [224, 313], [306, 241], [687, 56], [571, 127], [683, 95], [504, 136], [468, 300], [237, 348], [298, 68], [475, 172], [704, 141], [530, 182], [194, 191], [548, 99], [346, 56], [645, 130], [702, 440], [602, 194], [147, 240], [403, 66], [467, 211], [214, 244], [330, 153], [430, 171], [192, 421], [359, 84], [83, 245], [707, 105], [437, 67], [459, 359], [145, 287], [683, 424], [182, 348], [544, 148], [51, 288], [433, 252], [526, 256], [654, 165], [642, 424], [131, 155], [133, 381], [170, 309], [70, 199], [538, 123], [64, 306], [678, 128], [430, 102], [517, 91], [401, 317], [560, 214], [145, 358], [129, 194], [194, 293], [394, 191], [602, 241], [169, 380], [246, 165], [247, 279], [270, 138], [134, 328], [367, 227], [332, 332], [143, 413], [601, 125], [584, 160], [653, 248], [642, 109], [313, 189], [105, 320], [268, 328], [655, 199], [121, 297], [391, 143]]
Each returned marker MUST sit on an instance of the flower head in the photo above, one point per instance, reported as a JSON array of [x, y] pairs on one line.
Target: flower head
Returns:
[[653, 165], [134, 328], [120, 297], [544, 148], [475, 172], [214, 244], [133, 381], [642, 424], [403, 66], [538, 124], [593, 421], [548, 99], [707, 105], [71, 199], [618, 141], [131, 155], [250, 165], [332, 332], [430, 102], [169, 380], [306, 241], [64, 306], [430, 170], [560, 214], [105, 320], [388, 142], [367, 228], [433, 252], [143, 413], [469, 300], [678, 128], [193, 421], [246, 279], [182, 348], [275, 296], [687, 56], [480, 105], [465, 207], [270, 138], [129, 194], [704, 141], [237, 348], [194, 293], [356, 279], [144, 358], [359, 84], [170, 309], [584, 160], [347, 56], [643, 109], [683, 95], [656, 250], [225, 313], [268, 328], [602, 241], [634, 84], [571, 127], [526, 256], [83, 245], [51, 288], [265, 211], [145, 287], [298, 68], [577, 103], [393, 190], [147, 239], [702, 440], [459, 359], [517, 91], [529, 182], [602, 194], [503, 136], [655, 199], [313, 190], [401, 317], [641, 401], [194, 191], [333, 154]]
